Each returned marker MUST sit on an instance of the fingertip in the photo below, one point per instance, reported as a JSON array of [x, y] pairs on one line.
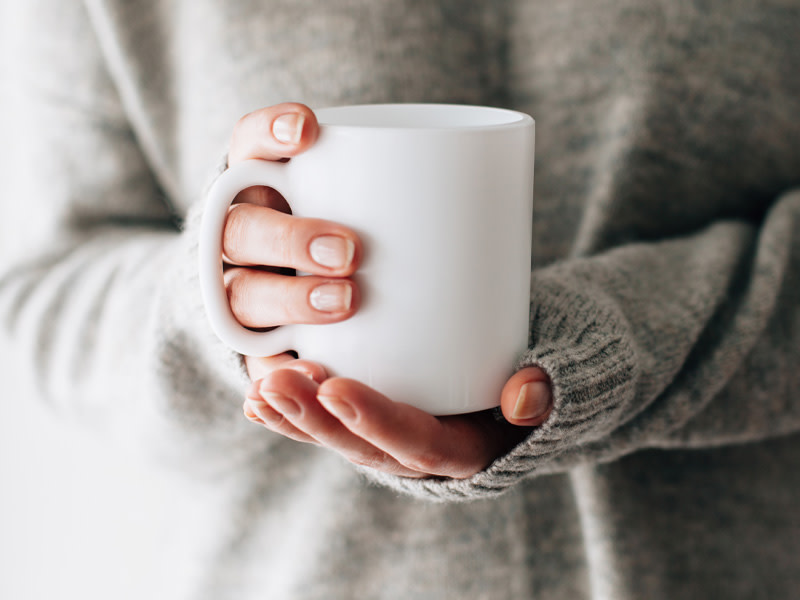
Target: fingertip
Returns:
[[527, 398], [259, 366], [290, 382], [294, 126], [310, 131], [253, 390], [314, 371], [249, 414], [272, 133]]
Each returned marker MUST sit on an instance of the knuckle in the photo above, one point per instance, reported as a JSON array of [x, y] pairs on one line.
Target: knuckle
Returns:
[[235, 233], [238, 289], [242, 123], [242, 129], [246, 131], [257, 121], [236, 134]]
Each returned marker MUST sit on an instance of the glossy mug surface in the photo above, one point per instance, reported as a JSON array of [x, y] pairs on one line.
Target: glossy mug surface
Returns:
[[441, 197]]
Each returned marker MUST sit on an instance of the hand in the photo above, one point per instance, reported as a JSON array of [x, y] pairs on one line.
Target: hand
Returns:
[[295, 398], [262, 241]]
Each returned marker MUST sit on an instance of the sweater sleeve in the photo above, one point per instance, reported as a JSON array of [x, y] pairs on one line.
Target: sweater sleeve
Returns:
[[100, 310], [685, 343]]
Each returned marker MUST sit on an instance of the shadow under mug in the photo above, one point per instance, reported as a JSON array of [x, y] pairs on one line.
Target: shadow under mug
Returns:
[[441, 198]]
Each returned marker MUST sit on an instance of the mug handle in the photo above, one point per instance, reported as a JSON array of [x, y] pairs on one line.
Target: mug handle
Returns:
[[222, 192]]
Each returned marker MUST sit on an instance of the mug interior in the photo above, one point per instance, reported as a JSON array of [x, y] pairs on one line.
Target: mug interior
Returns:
[[419, 116]]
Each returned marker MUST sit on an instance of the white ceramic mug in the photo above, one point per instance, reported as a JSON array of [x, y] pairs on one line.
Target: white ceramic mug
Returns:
[[441, 197]]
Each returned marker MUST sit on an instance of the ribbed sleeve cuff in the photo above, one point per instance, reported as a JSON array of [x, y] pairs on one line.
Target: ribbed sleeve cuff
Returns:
[[582, 342]]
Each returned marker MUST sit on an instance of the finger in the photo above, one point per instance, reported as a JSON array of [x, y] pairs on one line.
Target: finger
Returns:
[[260, 299], [260, 367], [259, 412], [272, 133], [265, 197], [295, 397], [450, 447], [254, 235], [527, 397], [314, 371], [260, 195]]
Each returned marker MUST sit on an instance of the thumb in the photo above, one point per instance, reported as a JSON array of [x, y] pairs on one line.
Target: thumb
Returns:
[[527, 397]]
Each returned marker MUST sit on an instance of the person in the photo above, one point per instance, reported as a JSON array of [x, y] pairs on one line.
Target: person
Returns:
[[649, 447]]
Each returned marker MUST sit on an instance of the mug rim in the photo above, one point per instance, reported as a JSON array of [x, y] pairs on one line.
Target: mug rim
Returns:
[[421, 117]]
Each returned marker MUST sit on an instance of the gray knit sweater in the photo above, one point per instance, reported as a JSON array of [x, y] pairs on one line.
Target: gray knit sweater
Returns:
[[665, 302]]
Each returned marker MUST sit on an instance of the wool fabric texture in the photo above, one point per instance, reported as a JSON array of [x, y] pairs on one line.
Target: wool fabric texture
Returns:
[[665, 296]]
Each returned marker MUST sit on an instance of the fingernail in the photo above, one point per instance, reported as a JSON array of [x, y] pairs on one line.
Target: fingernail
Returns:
[[289, 128], [249, 410], [332, 251], [258, 408], [305, 372], [284, 405], [331, 297], [533, 401], [338, 408]]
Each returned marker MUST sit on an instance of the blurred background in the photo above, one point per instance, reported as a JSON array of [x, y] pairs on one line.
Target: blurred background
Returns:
[[77, 518]]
